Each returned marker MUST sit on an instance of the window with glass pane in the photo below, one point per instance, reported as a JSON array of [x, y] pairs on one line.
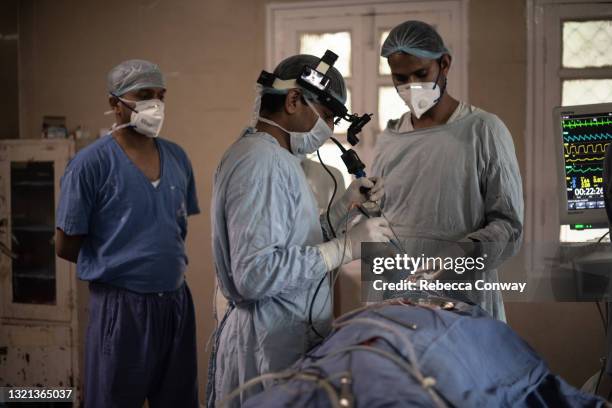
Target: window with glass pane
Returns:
[[390, 105], [340, 43], [586, 91], [342, 127], [383, 66], [32, 228], [587, 43], [330, 154]]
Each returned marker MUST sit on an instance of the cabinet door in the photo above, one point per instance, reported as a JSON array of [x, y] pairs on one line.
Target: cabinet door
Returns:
[[37, 354], [35, 283]]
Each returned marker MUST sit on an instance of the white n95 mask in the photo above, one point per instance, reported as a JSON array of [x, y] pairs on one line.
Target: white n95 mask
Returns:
[[303, 143], [309, 142], [419, 96], [147, 116]]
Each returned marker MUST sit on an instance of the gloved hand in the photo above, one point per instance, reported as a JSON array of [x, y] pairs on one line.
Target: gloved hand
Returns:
[[354, 195], [375, 185], [368, 230]]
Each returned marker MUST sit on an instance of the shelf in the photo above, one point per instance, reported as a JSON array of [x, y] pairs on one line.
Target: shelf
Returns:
[[34, 228], [40, 273], [28, 276], [33, 184]]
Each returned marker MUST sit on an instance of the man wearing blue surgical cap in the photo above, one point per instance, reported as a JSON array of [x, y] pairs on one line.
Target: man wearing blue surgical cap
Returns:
[[271, 257], [122, 218], [452, 179]]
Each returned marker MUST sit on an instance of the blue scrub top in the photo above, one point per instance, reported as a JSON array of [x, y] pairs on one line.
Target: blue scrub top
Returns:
[[134, 232]]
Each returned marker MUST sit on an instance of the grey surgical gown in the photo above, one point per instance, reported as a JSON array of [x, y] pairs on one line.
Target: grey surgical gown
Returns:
[[265, 224], [454, 183]]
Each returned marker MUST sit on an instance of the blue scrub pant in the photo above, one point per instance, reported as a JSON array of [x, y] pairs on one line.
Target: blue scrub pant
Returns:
[[140, 346]]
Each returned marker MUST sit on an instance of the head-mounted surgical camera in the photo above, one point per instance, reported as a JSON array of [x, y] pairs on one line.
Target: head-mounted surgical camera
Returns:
[[318, 83]]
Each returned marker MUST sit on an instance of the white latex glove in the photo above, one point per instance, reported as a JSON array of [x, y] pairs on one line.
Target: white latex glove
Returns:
[[368, 230], [374, 184], [353, 195]]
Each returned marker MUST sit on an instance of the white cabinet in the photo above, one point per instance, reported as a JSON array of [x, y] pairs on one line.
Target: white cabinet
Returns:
[[39, 330]]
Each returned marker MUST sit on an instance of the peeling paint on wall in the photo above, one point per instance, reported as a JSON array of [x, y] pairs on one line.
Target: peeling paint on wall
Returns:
[[28, 355]]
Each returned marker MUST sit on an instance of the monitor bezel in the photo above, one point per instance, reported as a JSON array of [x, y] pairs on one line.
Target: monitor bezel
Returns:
[[566, 216]]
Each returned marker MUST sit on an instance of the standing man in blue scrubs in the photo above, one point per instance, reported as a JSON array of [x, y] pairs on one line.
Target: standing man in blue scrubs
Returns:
[[122, 218]]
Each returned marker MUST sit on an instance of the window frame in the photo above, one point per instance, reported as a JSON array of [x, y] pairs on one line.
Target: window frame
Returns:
[[545, 76], [366, 19]]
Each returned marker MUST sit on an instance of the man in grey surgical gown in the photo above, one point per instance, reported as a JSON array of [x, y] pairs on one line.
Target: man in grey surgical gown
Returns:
[[450, 169]]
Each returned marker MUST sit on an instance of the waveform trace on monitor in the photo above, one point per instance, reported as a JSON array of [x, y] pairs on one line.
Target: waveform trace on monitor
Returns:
[[589, 122], [587, 137]]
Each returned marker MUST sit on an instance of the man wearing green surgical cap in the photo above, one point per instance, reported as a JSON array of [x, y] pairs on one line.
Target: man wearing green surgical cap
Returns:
[[452, 179], [122, 218]]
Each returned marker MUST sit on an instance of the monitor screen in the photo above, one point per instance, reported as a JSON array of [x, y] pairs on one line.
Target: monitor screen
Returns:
[[585, 139]]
